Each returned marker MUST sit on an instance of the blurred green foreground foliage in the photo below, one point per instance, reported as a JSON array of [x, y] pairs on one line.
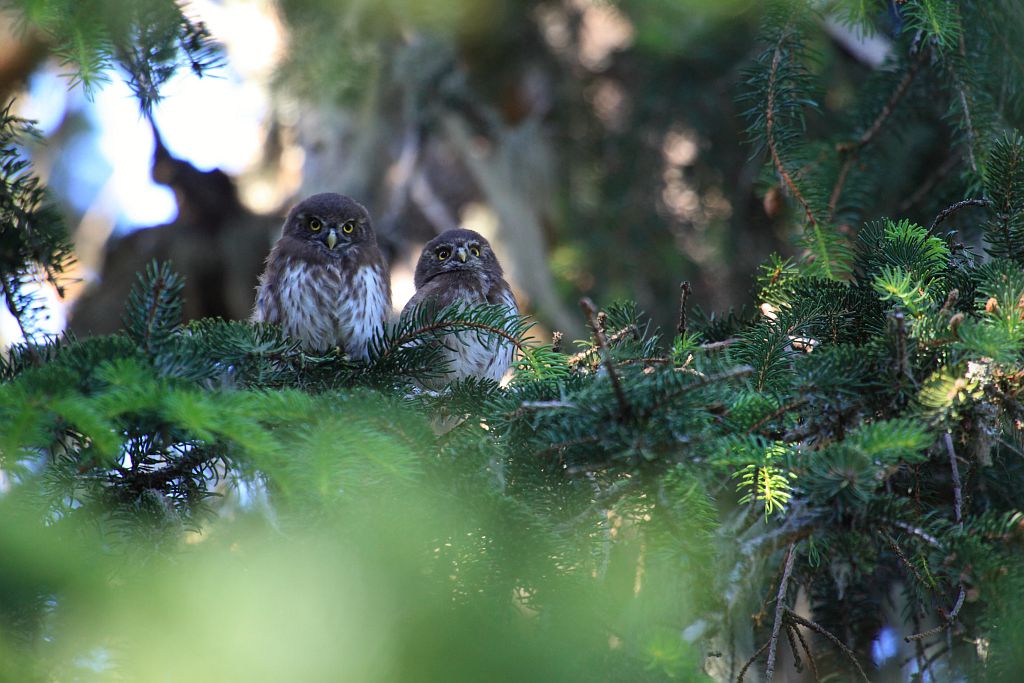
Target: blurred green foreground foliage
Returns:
[[825, 489]]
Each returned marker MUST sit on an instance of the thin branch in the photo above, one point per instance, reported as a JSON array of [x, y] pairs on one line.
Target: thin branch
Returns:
[[612, 340], [684, 296], [732, 373], [808, 653], [851, 150], [780, 607], [903, 558], [590, 310], [920, 533], [798, 663], [772, 148], [950, 210], [950, 618], [714, 346], [442, 324], [817, 628], [743, 671]]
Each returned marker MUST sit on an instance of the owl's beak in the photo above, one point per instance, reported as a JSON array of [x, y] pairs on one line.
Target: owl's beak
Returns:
[[461, 253], [332, 239]]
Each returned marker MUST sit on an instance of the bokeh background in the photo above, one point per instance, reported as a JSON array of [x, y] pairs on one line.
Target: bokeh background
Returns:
[[599, 145]]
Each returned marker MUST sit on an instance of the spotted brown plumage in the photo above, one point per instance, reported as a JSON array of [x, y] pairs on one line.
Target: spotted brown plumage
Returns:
[[459, 266], [326, 282]]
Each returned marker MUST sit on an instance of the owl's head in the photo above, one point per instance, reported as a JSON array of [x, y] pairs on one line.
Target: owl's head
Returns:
[[455, 251], [329, 224]]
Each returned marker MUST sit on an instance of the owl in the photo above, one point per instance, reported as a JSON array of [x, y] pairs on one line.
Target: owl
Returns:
[[326, 282], [459, 266]]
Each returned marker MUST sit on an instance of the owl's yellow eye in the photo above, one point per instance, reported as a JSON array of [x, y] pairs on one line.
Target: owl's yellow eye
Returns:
[[474, 250], [348, 227], [443, 253], [315, 225]]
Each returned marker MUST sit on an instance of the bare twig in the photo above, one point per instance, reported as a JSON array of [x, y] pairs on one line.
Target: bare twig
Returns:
[[949, 210], [920, 533], [809, 654], [903, 558], [780, 610], [590, 310], [798, 663], [817, 628], [612, 340], [769, 136], [684, 296], [743, 671], [950, 618], [851, 150]]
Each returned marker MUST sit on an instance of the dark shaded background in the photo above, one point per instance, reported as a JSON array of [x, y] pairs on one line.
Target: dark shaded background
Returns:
[[599, 145]]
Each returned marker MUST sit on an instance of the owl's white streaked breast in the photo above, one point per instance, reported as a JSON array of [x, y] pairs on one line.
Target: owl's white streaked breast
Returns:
[[324, 309], [470, 358]]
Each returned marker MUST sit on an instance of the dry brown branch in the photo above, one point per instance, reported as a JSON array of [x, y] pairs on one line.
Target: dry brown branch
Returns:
[[590, 310], [780, 607]]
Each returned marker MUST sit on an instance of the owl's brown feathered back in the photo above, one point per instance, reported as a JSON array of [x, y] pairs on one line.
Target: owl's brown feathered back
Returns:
[[460, 266], [326, 282]]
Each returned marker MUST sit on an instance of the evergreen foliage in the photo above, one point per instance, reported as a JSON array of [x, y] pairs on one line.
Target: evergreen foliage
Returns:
[[207, 502]]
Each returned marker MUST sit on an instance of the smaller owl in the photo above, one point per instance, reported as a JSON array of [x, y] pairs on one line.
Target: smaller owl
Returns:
[[459, 266], [326, 282]]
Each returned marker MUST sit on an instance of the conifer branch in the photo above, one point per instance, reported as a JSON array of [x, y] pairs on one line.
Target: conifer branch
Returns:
[[950, 210], [614, 339], [917, 531], [715, 346], [852, 150], [770, 137], [684, 296], [808, 654], [625, 411], [780, 607], [947, 620], [906, 563], [796, 618]]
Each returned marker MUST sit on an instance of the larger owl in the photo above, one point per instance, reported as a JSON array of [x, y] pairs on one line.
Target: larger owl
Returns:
[[326, 282], [459, 266]]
